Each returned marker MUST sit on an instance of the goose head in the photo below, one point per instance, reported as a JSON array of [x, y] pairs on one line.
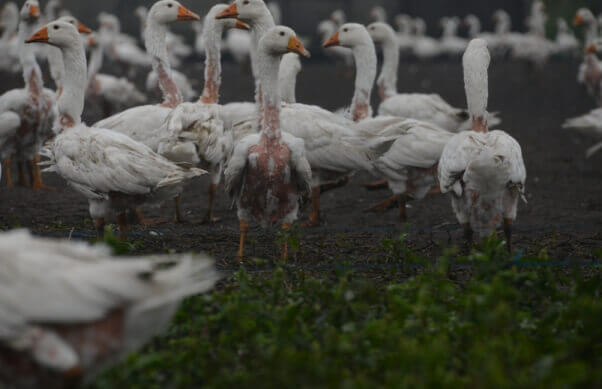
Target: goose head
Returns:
[[381, 32], [246, 10], [419, 27], [57, 33], [81, 28], [584, 17], [378, 14], [169, 11], [403, 23], [224, 24], [474, 25], [30, 12], [338, 17], [109, 22], [350, 35], [141, 12], [280, 40]]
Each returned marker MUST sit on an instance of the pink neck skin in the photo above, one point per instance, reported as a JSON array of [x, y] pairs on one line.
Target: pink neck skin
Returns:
[[171, 95], [479, 124], [360, 109], [35, 87], [271, 124]]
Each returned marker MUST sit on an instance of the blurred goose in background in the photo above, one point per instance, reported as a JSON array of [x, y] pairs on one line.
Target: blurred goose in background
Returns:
[[406, 151], [533, 46], [584, 17], [34, 106], [112, 93], [566, 42], [9, 45], [121, 48], [113, 172], [425, 47], [51, 11], [451, 44], [199, 45], [426, 107], [405, 39], [341, 55], [589, 124], [70, 310], [276, 12], [378, 14], [590, 72], [484, 171], [268, 172]]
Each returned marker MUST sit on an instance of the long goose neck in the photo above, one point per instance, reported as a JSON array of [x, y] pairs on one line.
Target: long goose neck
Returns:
[[387, 81], [71, 101], [259, 27], [57, 68], [269, 108], [366, 63], [155, 39], [212, 36], [96, 59], [287, 81], [32, 75]]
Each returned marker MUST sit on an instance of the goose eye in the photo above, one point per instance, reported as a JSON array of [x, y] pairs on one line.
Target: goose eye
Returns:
[[245, 2], [56, 27], [281, 33], [345, 30], [170, 5]]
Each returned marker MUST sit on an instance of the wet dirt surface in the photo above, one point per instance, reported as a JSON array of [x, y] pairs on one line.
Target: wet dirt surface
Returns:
[[564, 190]]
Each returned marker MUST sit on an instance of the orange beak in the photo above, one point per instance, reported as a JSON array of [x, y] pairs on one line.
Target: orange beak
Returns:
[[230, 12], [333, 41], [34, 11], [295, 46], [242, 25], [591, 49], [40, 36], [185, 14], [578, 21], [83, 29]]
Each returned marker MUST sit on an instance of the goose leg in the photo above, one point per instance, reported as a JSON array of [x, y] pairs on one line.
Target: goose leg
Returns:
[[314, 218], [38, 184], [22, 179], [147, 222], [285, 227], [402, 201], [334, 184], [178, 214], [209, 218], [384, 205], [99, 224], [244, 228], [376, 185], [122, 223], [7, 172], [468, 235], [508, 233]]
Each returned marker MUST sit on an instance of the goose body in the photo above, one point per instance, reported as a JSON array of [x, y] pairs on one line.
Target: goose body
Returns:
[[9, 43], [589, 124], [111, 170], [590, 72], [425, 47], [69, 309], [484, 171]]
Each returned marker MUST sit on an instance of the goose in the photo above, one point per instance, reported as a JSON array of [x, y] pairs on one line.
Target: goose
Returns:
[[70, 310], [407, 151], [238, 43], [114, 172], [34, 105], [427, 107], [378, 14], [584, 17], [276, 12], [199, 44], [451, 44], [405, 39], [55, 59], [505, 39], [112, 93], [590, 72], [566, 42], [51, 11], [290, 67], [534, 47], [9, 45], [425, 47], [143, 123], [268, 171], [325, 30], [590, 124], [195, 131], [484, 171], [331, 158]]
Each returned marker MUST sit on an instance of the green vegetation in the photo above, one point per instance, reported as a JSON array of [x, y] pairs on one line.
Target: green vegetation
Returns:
[[485, 320]]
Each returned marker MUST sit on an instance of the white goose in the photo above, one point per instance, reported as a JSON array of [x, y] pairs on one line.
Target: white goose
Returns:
[[425, 47], [143, 123], [121, 48], [322, 131], [9, 45], [590, 72], [585, 17], [69, 310], [407, 150], [405, 39], [268, 172], [566, 42], [34, 105], [451, 44], [427, 107], [194, 132], [590, 124], [112, 93], [112, 171], [484, 171], [290, 67], [378, 14]]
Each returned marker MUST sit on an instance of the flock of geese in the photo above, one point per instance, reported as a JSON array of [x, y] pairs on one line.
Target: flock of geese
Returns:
[[87, 309]]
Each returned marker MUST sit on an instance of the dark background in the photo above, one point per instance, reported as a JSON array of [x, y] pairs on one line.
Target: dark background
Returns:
[[304, 15]]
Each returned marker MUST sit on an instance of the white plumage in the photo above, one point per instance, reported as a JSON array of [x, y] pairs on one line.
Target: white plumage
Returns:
[[53, 292], [589, 124], [476, 61]]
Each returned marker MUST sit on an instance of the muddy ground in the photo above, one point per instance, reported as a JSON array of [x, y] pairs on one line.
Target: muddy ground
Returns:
[[563, 215]]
